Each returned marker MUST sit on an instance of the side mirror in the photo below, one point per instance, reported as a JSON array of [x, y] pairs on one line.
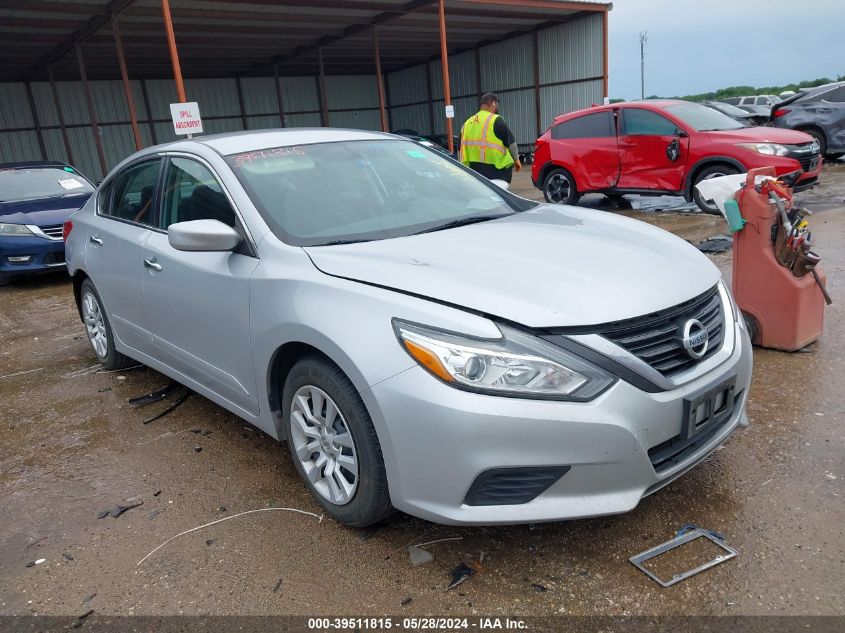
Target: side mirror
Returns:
[[203, 235], [682, 134]]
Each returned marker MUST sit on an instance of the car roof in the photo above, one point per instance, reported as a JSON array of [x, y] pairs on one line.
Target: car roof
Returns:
[[255, 140], [646, 103], [29, 164]]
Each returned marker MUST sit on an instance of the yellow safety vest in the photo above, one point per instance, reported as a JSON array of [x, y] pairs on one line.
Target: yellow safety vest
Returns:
[[479, 143]]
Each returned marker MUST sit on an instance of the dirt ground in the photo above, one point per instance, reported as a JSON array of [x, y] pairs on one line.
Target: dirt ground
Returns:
[[72, 447]]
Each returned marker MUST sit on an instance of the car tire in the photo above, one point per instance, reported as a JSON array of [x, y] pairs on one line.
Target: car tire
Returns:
[[714, 171], [344, 445], [98, 328], [559, 187], [752, 326]]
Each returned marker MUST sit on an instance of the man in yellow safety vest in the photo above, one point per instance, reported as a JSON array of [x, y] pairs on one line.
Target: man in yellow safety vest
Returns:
[[487, 144]]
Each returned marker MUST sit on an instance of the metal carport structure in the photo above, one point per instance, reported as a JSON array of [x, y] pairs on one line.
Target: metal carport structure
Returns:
[[89, 81]]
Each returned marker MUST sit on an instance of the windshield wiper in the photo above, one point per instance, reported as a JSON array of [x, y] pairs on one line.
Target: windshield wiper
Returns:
[[473, 219], [337, 242]]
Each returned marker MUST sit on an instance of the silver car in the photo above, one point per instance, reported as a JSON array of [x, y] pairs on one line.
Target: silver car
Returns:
[[421, 339]]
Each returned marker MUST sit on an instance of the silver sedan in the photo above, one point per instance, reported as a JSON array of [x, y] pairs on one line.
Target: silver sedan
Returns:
[[421, 339]]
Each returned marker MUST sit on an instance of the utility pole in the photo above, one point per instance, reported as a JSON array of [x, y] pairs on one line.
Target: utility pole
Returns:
[[643, 40]]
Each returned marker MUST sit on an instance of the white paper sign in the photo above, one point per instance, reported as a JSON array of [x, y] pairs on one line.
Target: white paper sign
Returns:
[[70, 183], [450, 112], [186, 118]]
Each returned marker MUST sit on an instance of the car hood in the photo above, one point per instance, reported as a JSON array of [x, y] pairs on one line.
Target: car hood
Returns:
[[761, 134], [45, 212], [552, 266]]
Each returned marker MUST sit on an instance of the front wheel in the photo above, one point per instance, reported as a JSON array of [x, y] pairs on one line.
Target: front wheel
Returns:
[[559, 187], [708, 206], [333, 443]]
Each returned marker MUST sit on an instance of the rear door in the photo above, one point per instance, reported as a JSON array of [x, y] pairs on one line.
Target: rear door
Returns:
[[124, 220], [198, 303], [587, 146], [653, 151]]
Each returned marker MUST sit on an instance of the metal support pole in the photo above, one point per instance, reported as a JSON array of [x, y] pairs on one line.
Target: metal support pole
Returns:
[[604, 17], [59, 115], [278, 83], [146, 97], [174, 52], [92, 114], [444, 60], [241, 101], [36, 121], [324, 108], [127, 87], [538, 114], [643, 40], [477, 56], [380, 82], [429, 97]]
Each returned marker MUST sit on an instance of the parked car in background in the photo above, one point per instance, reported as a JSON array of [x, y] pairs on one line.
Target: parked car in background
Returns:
[[759, 100], [439, 142], [422, 339], [35, 200], [759, 111], [737, 113], [660, 147], [819, 112]]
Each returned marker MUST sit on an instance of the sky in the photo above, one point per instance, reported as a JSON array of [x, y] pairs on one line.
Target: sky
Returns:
[[696, 47]]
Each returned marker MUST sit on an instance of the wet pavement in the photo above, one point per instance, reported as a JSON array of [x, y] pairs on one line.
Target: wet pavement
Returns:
[[72, 448]]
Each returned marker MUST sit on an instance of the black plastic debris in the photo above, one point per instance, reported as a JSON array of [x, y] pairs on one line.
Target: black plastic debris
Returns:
[[31, 563], [156, 396], [198, 449], [715, 244], [210, 542], [117, 510], [89, 598], [67, 556], [278, 586], [406, 601], [103, 389], [538, 587], [178, 402], [460, 574], [157, 493]]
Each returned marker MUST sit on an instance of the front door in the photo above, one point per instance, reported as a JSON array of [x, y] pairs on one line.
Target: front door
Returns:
[[197, 303], [653, 151], [123, 222]]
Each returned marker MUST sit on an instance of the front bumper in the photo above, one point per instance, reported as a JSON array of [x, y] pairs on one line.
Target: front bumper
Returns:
[[441, 439], [44, 255]]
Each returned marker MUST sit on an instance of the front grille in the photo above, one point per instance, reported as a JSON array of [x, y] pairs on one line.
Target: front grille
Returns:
[[809, 163], [805, 156], [656, 338], [512, 486], [676, 450], [54, 231]]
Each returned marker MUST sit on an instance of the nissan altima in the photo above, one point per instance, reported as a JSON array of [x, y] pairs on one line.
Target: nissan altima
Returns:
[[421, 339]]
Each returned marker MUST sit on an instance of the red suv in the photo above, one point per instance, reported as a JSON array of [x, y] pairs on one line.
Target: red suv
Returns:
[[660, 148]]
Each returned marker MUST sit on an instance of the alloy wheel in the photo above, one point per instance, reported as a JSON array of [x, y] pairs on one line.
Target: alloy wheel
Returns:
[[323, 444], [95, 324], [709, 203], [558, 188]]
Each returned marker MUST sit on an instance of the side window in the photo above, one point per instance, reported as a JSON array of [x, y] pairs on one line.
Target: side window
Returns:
[[835, 96], [193, 193], [764, 101], [597, 125], [647, 123], [104, 197], [134, 188], [732, 100]]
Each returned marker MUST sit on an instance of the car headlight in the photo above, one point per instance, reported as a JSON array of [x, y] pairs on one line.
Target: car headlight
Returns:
[[517, 364], [769, 149], [15, 230]]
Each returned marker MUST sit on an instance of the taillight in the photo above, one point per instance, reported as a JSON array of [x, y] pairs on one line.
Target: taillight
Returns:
[[780, 112], [67, 227]]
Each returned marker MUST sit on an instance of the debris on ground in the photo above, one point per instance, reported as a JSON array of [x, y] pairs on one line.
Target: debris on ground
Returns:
[[179, 401], [687, 533], [210, 542], [234, 516], [538, 587], [715, 244], [117, 510], [198, 449], [460, 574], [81, 618], [278, 586], [152, 515], [67, 556], [89, 598], [406, 601], [157, 493], [103, 389], [419, 556]]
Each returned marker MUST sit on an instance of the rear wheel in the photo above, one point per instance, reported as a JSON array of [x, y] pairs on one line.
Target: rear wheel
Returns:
[[333, 443], [559, 187], [714, 171], [98, 328]]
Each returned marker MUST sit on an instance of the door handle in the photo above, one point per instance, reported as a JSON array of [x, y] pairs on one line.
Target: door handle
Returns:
[[152, 263], [95, 240]]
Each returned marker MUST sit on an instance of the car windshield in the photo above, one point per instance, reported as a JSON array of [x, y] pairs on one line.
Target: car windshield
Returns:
[[354, 191], [36, 183], [730, 110], [703, 119]]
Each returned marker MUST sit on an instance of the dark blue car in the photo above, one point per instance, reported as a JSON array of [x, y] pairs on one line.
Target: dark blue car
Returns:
[[35, 200]]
